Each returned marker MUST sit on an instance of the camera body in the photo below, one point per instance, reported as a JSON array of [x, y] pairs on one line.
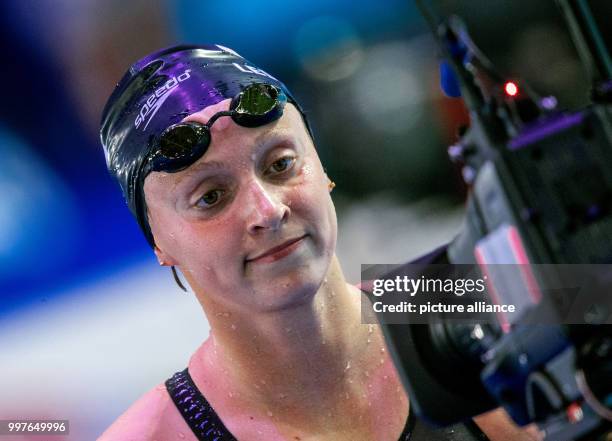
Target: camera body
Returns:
[[541, 193]]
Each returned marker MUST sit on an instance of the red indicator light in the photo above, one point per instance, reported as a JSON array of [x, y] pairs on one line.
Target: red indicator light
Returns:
[[511, 88]]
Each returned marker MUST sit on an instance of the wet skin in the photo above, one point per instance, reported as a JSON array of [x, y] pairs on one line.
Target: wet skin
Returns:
[[252, 227]]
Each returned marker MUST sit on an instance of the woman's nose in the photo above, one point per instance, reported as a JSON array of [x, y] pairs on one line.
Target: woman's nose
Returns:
[[267, 211]]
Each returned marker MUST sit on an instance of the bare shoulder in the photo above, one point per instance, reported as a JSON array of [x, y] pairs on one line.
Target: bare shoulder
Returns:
[[153, 417]]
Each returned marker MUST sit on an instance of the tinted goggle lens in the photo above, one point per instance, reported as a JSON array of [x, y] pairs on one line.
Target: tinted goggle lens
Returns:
[[257, 105], [181, 139], [257, 99]]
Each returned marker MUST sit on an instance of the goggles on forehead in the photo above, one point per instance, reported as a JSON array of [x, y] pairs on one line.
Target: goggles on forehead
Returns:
[[182, 144]]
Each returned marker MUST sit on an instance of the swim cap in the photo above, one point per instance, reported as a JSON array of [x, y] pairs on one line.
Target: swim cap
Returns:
[[160, 90]]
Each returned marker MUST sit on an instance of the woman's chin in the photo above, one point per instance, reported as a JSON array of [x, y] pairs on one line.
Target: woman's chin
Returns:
[[288, 293]]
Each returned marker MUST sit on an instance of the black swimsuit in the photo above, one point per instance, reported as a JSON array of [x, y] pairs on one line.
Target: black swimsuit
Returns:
[[206, 425]]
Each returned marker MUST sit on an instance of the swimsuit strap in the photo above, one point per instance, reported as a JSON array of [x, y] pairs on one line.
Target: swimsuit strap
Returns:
[[202, 418], [196, 410]]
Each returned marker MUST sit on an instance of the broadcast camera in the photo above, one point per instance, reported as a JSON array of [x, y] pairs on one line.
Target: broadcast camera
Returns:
[[540, 184]]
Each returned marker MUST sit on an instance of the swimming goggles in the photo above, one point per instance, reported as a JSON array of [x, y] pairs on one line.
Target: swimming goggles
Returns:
[[182, 144]]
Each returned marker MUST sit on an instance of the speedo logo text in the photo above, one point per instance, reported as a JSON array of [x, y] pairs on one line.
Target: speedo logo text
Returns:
[[157, 98]]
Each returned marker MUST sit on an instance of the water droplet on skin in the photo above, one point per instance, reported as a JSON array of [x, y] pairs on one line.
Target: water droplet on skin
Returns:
[[282, 396], [181, 435], [231, 395], [262, 381], [348, 365], [382, 350], [325, 280], [369, 403], [233, 327], [382, 361], [270, 414], [347, 395], [370, 385], [369, 341], [385, 377], [367, 374], [370, 329]]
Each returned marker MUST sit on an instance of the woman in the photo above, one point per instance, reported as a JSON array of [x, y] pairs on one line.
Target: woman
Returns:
[[217, 163]]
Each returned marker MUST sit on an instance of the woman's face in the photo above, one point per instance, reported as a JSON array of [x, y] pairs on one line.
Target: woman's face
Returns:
[[251, 223]]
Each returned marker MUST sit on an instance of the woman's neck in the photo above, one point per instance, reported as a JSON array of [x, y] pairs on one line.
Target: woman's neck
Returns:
[[316, 350]]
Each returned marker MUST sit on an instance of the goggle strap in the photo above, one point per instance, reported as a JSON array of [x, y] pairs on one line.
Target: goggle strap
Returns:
[[177, 280], [218, 115]]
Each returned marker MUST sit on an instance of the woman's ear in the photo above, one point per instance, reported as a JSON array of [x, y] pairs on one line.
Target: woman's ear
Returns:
[[163, 258], [330, 184]]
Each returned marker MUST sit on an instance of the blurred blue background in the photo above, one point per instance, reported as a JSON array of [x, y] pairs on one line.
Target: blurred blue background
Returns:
[[83, 307]]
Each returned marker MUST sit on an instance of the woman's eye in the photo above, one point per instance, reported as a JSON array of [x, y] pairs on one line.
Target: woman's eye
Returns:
[[209, 199], [281, 165]]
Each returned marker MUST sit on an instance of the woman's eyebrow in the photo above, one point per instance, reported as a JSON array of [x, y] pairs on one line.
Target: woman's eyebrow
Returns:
[[198, 168], [269, 139], [205, 166]]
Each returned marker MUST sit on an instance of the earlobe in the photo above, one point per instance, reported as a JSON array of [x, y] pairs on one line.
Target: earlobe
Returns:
[[330, 184], [163, 258]]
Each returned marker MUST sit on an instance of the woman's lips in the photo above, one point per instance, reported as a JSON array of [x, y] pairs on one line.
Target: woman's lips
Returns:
[[278, 252]]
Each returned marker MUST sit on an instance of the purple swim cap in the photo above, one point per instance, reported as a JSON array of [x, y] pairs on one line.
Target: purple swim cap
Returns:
[[160, 90]]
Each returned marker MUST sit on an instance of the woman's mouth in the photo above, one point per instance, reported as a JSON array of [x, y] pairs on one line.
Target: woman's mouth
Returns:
[[278, 252]]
